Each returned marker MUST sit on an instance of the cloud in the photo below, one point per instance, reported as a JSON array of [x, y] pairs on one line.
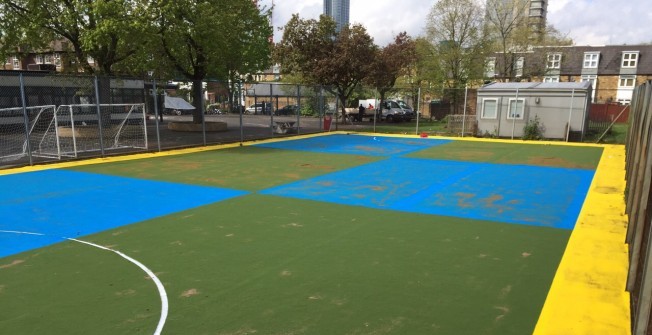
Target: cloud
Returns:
[[603, 22], [383, 19], [596, 22]]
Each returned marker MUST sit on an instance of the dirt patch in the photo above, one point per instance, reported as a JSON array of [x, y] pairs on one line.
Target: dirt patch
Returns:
[[16, 262], [472, 155], [551, 161], [318, 167], [176, 243], [189, 293], [504, 310], [315, 297], [285, 273], [463, 197], [293, 225], [125, 293], [490, 201], [526, 254]]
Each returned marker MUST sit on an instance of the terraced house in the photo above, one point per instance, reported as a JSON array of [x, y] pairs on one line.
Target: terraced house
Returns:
[[614, 70]]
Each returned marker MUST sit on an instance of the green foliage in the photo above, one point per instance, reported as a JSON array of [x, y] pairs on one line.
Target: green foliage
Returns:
[[313, 51], [533, 129], [455, 30]]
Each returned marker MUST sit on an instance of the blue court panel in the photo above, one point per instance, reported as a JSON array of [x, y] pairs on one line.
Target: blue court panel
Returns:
[[60, 203], [357, 145], [519, 194]]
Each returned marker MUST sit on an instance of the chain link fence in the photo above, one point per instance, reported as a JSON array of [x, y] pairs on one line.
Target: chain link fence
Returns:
[[46, 117]]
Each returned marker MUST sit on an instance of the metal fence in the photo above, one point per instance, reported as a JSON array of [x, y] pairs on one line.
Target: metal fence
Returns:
[[52, 117], [31, 122], [639, 209]]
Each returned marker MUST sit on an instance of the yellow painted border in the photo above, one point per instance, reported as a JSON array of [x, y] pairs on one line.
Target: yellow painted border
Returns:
[[587, 296]]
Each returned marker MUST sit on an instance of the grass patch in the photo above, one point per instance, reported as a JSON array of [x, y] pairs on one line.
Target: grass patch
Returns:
[[616, 135], [246, 168], [430, 127], [515, 153], [274, 265]]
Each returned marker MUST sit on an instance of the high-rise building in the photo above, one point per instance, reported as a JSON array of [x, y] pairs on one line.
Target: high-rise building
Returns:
[[538, 14], [339, 11]]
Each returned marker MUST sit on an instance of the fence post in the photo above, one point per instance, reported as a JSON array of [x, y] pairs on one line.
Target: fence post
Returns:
[[240, 110], [99, 115], [158, 134], [466, 92], [298, 109], [418, 111], [570, 115], [513, 113], [26, 119]]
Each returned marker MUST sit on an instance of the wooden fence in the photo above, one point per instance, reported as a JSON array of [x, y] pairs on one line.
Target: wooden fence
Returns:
[[639, 209]]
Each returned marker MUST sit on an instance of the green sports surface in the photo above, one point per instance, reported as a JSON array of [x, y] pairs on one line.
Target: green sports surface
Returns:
[[265, 264]]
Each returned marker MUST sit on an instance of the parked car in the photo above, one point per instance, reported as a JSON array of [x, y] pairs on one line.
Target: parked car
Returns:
[[259, 108], [395, 111], [288, 110]]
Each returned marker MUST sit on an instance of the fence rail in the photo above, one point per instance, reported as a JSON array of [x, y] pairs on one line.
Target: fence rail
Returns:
[[33, 109], [639, 209]]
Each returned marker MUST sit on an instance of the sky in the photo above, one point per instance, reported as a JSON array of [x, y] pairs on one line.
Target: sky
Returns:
[[587, 22]]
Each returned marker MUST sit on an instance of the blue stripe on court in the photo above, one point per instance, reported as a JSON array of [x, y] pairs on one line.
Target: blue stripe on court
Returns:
[[541, 196], [357, 145], [61, 203]]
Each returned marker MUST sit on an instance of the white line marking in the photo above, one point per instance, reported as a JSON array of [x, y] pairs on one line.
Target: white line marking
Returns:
[[159, 285], [21, 232]]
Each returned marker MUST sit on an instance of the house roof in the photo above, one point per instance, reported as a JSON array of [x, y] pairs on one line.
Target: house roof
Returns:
[[572, 60], [537, 86], [610, 58]]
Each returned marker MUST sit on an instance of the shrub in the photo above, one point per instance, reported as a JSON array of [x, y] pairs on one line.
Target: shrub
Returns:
[[533, 130]]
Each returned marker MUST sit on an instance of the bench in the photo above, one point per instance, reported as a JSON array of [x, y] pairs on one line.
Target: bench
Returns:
[[284, 127]]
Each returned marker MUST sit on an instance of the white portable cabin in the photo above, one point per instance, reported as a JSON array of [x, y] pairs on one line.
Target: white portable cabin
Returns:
[[562, 109]]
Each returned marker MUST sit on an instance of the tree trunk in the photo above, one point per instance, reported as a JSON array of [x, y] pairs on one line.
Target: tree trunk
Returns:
[[198, 101]]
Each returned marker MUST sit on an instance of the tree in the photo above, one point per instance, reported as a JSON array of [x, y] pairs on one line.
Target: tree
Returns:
[[515, 34], [392, 61], [200, 39], [455, 29], [108, 32], [316, 53]]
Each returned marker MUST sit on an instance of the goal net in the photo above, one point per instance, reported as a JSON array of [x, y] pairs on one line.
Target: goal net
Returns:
[[69, 130], [83, 128]]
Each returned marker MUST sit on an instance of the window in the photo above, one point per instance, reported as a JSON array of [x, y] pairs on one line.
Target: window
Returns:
[[516, 108], [491, 67], [554, 61], [16, 62], [593, 79], [489, 108], [39, 59], [551, 79], [627, 81], [519, 66], [630, 59], [57, 59], [591, 60], [48, 59]]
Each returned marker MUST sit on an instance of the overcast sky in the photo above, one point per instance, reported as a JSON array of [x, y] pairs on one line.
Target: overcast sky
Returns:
[[587, 22]]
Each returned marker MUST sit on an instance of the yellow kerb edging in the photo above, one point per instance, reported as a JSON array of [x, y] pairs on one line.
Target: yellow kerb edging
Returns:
[[588, 294]]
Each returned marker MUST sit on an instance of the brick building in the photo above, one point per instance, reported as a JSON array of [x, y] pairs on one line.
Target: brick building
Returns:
[[614, 70]]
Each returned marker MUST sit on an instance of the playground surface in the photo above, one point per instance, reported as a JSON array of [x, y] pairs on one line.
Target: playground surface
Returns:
[[328, 234]]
